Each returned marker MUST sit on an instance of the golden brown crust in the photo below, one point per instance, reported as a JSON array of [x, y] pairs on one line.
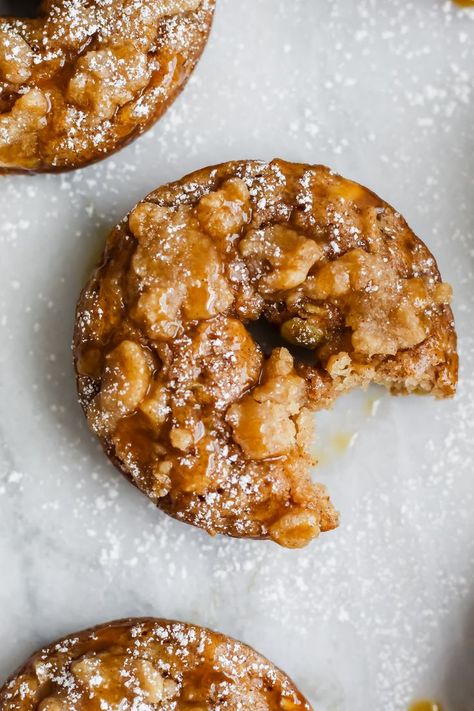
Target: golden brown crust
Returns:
[[184, 401], [84, 78], [149, 665]]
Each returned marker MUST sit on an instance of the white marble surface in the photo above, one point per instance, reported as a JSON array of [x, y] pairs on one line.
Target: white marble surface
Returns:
[[381, 611]]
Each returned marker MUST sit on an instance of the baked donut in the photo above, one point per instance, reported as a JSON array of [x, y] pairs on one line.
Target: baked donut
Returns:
[[187, 404], [146, 665], [87, 76]]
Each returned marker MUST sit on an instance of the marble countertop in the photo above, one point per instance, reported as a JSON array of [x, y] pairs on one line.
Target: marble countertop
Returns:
[[381, 611]]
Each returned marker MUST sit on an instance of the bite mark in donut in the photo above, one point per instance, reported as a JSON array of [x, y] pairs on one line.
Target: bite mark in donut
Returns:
[[149, 665], [184, 400], [87, 76]]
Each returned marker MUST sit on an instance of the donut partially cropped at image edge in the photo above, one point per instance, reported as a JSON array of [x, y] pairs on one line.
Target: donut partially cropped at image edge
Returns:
[[87, 76], [149, 664], [216, 430]]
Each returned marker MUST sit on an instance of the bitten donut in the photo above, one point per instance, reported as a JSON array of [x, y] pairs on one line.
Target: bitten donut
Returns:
[[186, 403], [88, 76], [146, 665]]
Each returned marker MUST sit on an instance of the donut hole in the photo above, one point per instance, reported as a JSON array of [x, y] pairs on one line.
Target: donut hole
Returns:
[[7, 101], [19, 8], [268, 336]]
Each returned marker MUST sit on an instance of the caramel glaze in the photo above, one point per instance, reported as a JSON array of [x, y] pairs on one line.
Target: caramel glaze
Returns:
[[425, 705]]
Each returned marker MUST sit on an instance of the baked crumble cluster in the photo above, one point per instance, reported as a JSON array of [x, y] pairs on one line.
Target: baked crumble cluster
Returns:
[[185, 402], [85, 77], [146, 665]]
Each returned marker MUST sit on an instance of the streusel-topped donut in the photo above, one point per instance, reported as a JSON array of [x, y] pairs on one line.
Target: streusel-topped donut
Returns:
[[87, 76], [149, 665], [186, 403]]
